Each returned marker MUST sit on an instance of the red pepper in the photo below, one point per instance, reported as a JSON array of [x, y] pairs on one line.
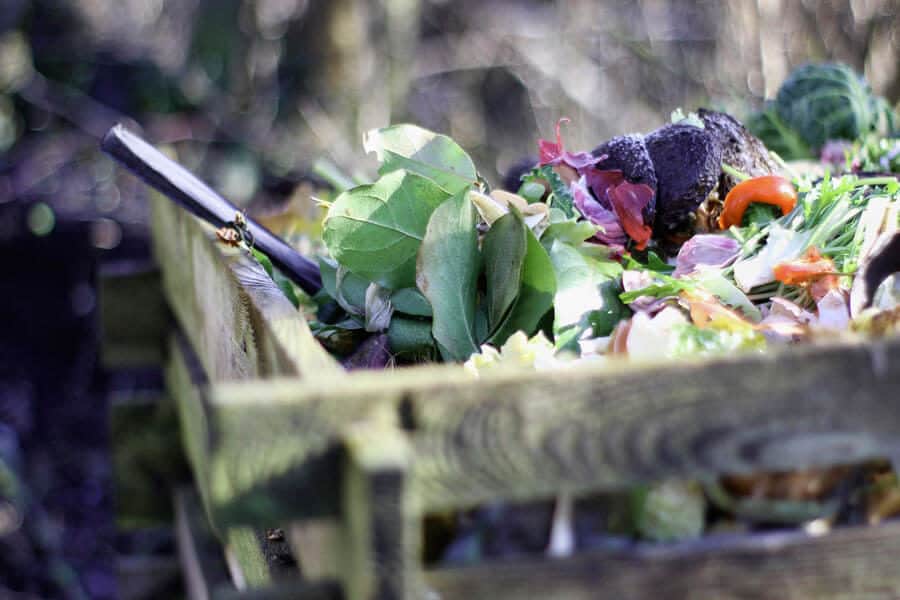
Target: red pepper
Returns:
[[812, 270], [768, 189]]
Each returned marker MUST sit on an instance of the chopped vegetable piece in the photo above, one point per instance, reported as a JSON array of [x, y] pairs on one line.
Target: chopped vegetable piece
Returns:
[[768, 189], [812, 267]]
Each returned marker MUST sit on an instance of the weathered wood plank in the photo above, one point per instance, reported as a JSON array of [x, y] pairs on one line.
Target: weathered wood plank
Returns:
[[380, 560], [236, 318], [199, 552], [245, 557], [581, 431], [527, 436], [184, 380], [317, 545], [855, 563], [133, 315]]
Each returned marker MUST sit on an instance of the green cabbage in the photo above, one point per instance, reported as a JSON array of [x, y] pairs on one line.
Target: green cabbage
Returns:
[[817, 103]]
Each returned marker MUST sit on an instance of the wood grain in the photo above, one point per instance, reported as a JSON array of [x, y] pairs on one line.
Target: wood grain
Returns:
[[238, 321], [536, 435], [521, 436], [855, 563], [277, 433], [381, 551]]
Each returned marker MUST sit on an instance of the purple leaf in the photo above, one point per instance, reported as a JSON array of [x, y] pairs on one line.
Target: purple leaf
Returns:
[[706, 250], [596, 213], [553, 153]]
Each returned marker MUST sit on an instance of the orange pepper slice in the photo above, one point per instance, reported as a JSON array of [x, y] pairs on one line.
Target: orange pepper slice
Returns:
[[811, 270], [768, 189]]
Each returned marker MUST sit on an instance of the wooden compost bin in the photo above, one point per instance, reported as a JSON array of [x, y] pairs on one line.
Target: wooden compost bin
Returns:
[[347, 464]]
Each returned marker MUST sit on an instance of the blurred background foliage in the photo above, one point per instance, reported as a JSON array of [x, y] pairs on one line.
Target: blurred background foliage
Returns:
[[255, 91]]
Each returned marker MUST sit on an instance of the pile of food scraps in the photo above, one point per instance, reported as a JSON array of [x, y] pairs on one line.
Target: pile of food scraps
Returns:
[[694, 239]]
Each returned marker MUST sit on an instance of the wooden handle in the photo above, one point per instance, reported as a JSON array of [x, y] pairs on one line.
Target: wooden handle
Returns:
[[184, 188]]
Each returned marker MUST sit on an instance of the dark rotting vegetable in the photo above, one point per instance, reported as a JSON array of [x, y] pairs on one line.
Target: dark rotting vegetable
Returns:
[[740, 148], [628, 153], [687, 161]]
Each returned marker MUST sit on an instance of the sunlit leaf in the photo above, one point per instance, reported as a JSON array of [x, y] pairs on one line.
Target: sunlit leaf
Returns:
[[376, 230], [418, 150]]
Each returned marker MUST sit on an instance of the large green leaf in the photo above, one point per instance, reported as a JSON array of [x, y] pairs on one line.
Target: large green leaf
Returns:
[[375, 230], [535, 294], [449, 264], [578, 280], [503, 250], [411, 302], [418, 150]]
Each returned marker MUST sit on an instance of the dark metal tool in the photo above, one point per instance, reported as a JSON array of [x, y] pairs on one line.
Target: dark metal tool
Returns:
[[184, 188]]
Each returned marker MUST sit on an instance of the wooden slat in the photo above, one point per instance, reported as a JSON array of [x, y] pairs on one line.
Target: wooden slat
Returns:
[[201, 559], [856, 563], [529, 435], [380, 560], [236, 318], [205, 574]]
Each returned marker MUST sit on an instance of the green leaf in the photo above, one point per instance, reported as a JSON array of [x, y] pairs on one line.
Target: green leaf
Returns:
[[535, 297], [418, 150], [561, 196], [503, 250], [532, 191], [578, 280], [482, 328], [410, 339], [353, 287], [449, 264], [410, 301], [375, 230], [284, 284], [570, 232], [654, 263], [668, 286]]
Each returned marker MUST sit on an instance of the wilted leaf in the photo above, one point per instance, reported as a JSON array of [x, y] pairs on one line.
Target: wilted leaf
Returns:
[[379, 309], [376, 230]]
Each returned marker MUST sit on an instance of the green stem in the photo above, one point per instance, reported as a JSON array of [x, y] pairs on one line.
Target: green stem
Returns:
[[874, 181], [739, 175]]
